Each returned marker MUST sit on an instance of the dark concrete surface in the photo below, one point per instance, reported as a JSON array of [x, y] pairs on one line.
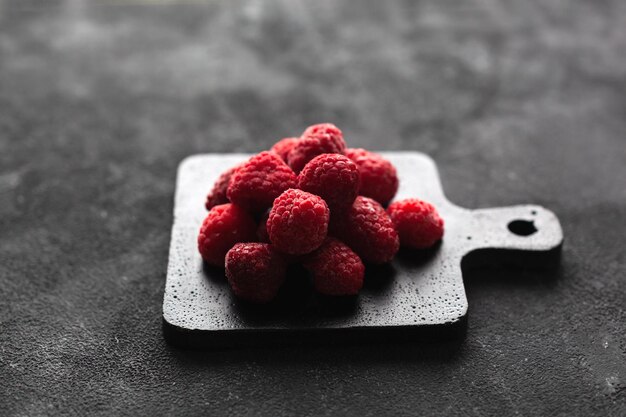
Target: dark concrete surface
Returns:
[[517, 101]]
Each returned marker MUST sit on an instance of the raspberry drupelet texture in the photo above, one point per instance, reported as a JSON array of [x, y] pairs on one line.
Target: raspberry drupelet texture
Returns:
[[225, 225], [283, 147], [217, 195], [335, 268], [316, 140], [298, 222], [333, 177], [262, 236], [368, 230], [325, 129], [418, 223], [255, 271], [256, 183], [379, 179]]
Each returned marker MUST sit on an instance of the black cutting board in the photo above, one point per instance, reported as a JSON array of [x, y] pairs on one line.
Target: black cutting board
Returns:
[[419, 295]]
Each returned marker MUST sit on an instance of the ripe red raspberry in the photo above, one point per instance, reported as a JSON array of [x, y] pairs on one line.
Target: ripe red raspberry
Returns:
[[255, 271], [417, 223], [217, 195], [261, 179], [263, 236], [336, 269], [368, 230], [316, 140], [325, 129], [283, 147], [333, 177], [379, 179], [298, 222], [224, 226]]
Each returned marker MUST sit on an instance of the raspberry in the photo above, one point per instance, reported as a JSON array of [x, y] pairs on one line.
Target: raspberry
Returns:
[[262, 236], [325, 129], [379, 179], [333, 177], [316, 140], [261, 179], [298, 222], [217, 195], [368, 230], [224, 226], [336, 269], [255, 271], [417, 223], [283, 146]]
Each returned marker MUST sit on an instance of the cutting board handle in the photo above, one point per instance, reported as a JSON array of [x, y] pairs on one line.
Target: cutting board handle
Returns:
[[525, 235]]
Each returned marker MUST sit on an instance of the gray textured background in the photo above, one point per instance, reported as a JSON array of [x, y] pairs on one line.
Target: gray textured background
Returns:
[[518, 101]]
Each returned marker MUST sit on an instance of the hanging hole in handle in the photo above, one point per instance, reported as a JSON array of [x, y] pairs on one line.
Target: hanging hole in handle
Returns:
[[522, 227]]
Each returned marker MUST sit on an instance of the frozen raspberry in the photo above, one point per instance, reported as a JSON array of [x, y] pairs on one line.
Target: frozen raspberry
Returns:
[[325, 129], [263, 236], [256, 183], [283, 147], [316, 140], [368, 230], [417, 223], [336, 269], [217, 195], [298, 222], [379, 179], [333, 177], [255, 271], [224, 226]]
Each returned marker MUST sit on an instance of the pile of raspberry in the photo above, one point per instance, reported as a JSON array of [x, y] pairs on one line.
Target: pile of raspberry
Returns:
[[310, 200]]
